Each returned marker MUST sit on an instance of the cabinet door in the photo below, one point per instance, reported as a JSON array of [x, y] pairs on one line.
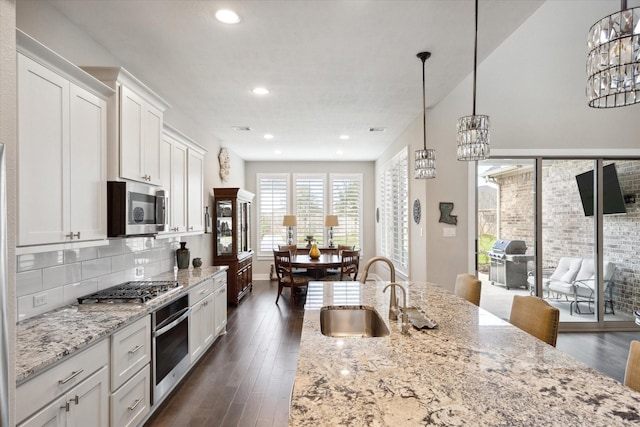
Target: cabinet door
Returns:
[[165, 176], [52, 415], [220, 310], [208, 320], [90, 401], [196, 334], [152, 135], [43, 154], [88, 166], [179, 186], [132, 109], [195, 184]]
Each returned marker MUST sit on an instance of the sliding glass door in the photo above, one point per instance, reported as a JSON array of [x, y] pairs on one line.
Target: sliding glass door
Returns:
[[581, 226]]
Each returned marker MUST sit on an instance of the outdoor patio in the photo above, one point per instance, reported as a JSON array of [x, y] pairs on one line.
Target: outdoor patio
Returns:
[[497, 300]]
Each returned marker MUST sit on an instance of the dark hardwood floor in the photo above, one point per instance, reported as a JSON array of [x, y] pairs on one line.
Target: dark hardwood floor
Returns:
[[245, 379]]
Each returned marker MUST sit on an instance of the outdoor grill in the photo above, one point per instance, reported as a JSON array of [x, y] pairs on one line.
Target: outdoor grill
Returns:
[[509, 263]]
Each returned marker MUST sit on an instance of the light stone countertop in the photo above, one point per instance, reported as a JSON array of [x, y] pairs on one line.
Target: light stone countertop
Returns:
[[44, 340], [473, 369]]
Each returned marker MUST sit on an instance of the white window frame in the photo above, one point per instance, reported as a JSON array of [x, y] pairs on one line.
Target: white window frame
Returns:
[[276, 220], [354, 177], [394, 213]]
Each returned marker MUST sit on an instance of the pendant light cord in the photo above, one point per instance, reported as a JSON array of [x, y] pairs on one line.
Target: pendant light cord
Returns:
[[475, 60], [424, 109]]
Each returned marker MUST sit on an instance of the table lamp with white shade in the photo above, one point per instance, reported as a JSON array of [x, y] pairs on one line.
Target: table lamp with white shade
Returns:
[[290, 222], [331, 221]]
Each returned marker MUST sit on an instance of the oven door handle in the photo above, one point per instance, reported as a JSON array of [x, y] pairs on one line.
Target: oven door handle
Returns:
[[172, 321]]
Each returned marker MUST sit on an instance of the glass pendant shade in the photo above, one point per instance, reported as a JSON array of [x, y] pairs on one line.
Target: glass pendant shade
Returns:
[[425, 164], [473, 138], [613, 62], [473, 130], [425, 161]]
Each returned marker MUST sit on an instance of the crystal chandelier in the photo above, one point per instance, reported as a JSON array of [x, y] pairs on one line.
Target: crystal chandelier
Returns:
[[425, 164], [613, 62], [473, 130]]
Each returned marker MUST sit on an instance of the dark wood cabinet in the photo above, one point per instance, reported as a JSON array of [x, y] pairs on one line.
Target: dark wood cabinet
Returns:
[[232, 242]]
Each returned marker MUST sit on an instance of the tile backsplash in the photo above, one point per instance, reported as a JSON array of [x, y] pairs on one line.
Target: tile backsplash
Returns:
[[48, 280]]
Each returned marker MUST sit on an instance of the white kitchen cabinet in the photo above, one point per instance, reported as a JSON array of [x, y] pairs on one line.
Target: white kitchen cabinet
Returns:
[[135, 126], [220, 302], [61, 153], [130, 351], [85, 405], [182, 173], [132, 402], [196, 189], [78, 389], [201, 319]]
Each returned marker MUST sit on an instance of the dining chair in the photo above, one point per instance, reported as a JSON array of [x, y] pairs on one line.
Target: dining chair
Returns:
[[292, 248], [632, 373], [468, 287], [536, 317], [286, 278], [349, 264]]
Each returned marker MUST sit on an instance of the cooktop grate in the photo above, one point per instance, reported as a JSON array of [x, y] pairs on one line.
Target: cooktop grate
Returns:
[[136, 292]]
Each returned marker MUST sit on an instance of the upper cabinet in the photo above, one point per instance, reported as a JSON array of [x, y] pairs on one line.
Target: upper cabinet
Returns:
[[62, 136], [135, 126], [182, 174]]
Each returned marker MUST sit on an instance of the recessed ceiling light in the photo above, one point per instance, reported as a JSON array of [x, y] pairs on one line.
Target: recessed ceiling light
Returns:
[[339, 152], [227, 16], [278, 152], [344, 136], [268, 136], [260, 91]]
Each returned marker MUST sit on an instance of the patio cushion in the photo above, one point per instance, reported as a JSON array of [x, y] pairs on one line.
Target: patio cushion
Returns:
[[566, 270]]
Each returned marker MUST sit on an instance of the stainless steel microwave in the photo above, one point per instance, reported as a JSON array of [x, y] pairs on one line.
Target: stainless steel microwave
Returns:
[[135, 208]]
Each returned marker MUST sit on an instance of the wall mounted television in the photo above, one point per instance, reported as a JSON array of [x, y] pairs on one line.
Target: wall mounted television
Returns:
[[613, 201]]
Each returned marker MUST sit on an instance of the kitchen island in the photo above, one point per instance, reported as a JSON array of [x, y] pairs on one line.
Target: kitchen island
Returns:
[[473, 369]]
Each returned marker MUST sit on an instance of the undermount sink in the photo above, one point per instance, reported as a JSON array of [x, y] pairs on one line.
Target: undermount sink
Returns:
[[357, 321]]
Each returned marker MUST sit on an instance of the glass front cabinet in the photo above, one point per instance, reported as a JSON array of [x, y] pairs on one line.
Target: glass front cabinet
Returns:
[[232, 242]]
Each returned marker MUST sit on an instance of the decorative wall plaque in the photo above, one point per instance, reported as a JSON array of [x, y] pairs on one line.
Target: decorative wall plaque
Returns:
[[445, 213], [416, 211], [225, 164]]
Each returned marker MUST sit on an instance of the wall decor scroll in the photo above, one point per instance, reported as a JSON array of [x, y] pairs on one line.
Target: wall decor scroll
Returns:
[[225, 164], [445, 213], [416, 211]]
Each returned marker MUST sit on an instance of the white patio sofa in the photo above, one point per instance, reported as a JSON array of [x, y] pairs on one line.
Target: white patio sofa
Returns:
[[575, 279]]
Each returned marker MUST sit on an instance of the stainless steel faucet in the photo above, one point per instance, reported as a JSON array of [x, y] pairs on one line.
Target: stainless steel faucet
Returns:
[[393, 303], [394, 307]]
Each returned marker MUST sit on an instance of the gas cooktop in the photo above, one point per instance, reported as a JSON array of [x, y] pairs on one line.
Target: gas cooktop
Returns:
[[136, 292]]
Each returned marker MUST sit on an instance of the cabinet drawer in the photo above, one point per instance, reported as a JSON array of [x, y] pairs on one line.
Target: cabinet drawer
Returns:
[[219, 281], [130, 351], [58, 380], [201, 291], [132, 402]]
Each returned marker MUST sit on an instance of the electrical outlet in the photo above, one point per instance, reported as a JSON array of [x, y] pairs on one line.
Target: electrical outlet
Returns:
[[39, 300]]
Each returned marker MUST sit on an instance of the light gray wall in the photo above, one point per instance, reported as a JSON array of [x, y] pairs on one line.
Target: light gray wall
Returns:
[[261, 266], [533, 88]]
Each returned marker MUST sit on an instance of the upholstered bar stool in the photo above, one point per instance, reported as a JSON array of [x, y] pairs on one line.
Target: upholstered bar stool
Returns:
[[632, 373], [468, 287], [535, 316]]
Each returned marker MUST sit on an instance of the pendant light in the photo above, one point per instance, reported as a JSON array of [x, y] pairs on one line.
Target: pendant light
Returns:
[[473, 130], [613, 62], [425, 162]]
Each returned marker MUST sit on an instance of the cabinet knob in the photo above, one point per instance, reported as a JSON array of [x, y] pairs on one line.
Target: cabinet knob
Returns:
[[191, 228]]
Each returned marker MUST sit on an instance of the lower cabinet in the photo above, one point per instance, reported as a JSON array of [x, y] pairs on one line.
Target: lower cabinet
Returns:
[[130, 404], [208, 318], [70, 391]]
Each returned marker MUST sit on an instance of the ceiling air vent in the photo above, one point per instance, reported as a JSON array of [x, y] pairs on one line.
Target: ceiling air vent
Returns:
[[242, 128], [377, 129]]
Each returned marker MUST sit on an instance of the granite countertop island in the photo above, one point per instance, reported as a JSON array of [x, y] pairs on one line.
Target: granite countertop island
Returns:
[[44, 340], [473, 369]]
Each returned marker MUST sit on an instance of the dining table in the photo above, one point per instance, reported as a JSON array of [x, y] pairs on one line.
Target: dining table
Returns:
[[316, 267]]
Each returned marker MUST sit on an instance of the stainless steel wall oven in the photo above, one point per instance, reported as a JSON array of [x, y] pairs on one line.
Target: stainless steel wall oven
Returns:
[[170, 345]]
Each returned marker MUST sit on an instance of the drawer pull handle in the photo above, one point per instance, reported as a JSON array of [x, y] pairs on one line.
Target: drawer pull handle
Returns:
[[66, 406], [136, 403], [135, 349], [70, 377]]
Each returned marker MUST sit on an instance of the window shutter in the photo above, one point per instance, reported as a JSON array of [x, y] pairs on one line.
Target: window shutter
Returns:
[[346, 203], [394, 232], [273, 190], [310, 207]]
